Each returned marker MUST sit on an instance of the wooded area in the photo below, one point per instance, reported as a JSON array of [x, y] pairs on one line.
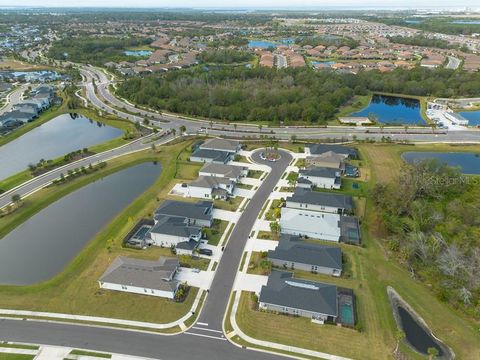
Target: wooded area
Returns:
[[262, 94], [430, 214]]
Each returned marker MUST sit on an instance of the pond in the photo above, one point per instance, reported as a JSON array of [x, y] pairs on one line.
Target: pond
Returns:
[[43, 245], [393, 110], [466, 22], [261, 44], [469, 163], [57, 137], [416, 335], [473, 117], [137, 52]]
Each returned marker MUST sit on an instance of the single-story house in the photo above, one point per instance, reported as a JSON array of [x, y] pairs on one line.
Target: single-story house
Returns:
[[288, 295], [231, 172], [317, 149], [211, 187], [172, 231], [154, 278], [329, 159], [211, 156], [29, 108], [219, 144], [17, 116], [324, 178], [313, 224], [198, 213], [320, 201], [293, 253]]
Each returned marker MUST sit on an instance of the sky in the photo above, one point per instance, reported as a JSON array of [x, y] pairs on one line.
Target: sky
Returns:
[[249, 3]]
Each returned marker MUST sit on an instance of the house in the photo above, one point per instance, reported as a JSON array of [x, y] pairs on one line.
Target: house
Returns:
[[320, 201], [211, 156], [219, 144], [324, 178], [319, 225], [173, 231], [293, 253], [17, 116], [288, 295], [211, 187], [312, 224], [154, 278], [231, 172], [328, 159], [28, 108], [317, 149], [199, 213]]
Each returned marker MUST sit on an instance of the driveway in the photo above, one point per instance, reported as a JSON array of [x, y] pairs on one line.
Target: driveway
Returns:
[[250, 282], [201, 279], [230, 216]]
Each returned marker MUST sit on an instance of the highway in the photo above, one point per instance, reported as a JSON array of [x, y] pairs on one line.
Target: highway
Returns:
[[105, 101]]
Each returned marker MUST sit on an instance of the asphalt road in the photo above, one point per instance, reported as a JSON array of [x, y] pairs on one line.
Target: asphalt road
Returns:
[[217, 301], [43, 180], [204, 341]]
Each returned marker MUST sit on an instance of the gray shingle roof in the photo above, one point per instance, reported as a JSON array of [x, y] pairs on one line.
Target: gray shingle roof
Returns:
[[142, 273], [292, 249], [230, 171], [201, 210], [210, 182], [221, 144], [321, 198], [214, 155], [284, 290], [174, 226], [319, 172], [317, 149]]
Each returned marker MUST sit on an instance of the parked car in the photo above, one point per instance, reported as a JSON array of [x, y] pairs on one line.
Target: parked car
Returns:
[[207, 252]]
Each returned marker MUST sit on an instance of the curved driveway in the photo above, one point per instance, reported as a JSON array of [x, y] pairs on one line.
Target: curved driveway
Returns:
[[203, 341]]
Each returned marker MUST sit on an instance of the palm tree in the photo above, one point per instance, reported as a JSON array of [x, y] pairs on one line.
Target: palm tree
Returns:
[[235, 127], [183, 129], [260, 127], [432, 353], [174, 131], [16, 198]]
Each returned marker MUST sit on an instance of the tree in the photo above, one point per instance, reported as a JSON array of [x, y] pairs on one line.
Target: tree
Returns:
[[183, 129], [174, 131], [432, 353], [260, 127], [153, 147], [275, 227], [16, 198], [293, 138]]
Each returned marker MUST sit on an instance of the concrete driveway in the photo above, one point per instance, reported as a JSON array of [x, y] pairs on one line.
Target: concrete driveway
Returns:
[[226, 215], [250, 282], [201, 279]]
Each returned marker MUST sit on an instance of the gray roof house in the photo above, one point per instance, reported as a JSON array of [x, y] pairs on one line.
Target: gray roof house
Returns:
[[329, 159], [220, 144], [286, 294], [154, 278], [211, 187], [320, 201], [317, 149], [231, 172], [29, 108], [321, 177], [198, 213], [208, 156], [173, 232], [293, 253]]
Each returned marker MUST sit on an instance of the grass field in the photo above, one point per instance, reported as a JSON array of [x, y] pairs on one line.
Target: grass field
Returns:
[[369, 272], [231, 204], [6, 356], [75, 290], [12, 64]]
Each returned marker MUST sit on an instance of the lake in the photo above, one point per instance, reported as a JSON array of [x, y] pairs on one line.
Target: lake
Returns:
[[43, 245], [252, 44], [473, 117], [137, 52], [416, 335], [466, 22], [57, 137], [393, 110], [469, 163]]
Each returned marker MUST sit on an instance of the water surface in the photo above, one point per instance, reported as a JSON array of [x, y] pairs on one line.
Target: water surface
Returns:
[[473, 117], [261, 44], [57, 137], [43, 245], [469, 163], [393, 110]]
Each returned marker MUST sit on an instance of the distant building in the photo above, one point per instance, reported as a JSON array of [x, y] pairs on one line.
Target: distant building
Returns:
[[153, 278]]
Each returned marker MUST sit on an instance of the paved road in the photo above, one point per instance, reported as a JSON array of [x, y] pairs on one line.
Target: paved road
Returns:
[[14, 98], [216, 303], [181, 347], [103, 98], [203, 341], [44, 180]]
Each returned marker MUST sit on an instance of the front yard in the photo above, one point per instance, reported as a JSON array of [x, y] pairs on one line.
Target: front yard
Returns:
[[232, 204]]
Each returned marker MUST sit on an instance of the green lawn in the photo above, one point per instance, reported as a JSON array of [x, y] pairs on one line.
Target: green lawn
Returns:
[[273, 213], [215, 233], [6, 356], [90, 353], [75, 290], [231, 204], [256, 174]]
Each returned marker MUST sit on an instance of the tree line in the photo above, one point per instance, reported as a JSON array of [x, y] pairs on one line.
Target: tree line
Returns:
[[288, 95]]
